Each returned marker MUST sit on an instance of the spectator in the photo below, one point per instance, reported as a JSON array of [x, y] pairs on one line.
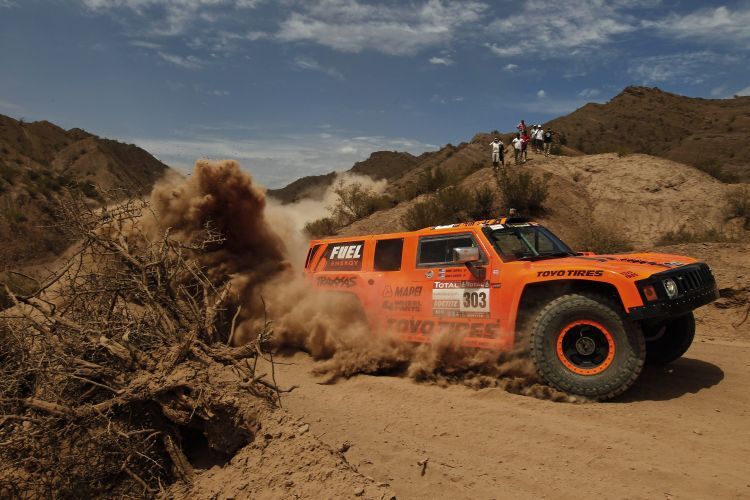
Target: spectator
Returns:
[[517, 146], [521, 127], [548, 141], [532, 134], [539, 138], [525, 139], [498, 148]]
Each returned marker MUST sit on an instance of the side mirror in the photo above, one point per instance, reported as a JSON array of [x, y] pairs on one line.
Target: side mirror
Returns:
[[464, 255], [471, 257]]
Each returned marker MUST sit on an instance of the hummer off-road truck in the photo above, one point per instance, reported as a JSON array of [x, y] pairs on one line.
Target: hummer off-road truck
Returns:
[[591, 321]]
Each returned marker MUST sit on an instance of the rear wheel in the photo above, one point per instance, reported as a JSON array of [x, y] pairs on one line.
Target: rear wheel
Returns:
[[582, 344], [669, 340]]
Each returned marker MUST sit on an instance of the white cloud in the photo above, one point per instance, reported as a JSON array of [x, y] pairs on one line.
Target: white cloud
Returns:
[[187, 62], [509, 51], [171, 17], [279, 160], [145, 45], [541, 94], [9, 106], [690, 68], [562, 28], [586, 93], [719, 24], [510, 67], [313, 65], [7, 4], [445, 61], [743, 92], [396, 29]]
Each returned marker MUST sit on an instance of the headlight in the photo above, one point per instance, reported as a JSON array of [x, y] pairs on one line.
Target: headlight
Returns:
[[671, 288]]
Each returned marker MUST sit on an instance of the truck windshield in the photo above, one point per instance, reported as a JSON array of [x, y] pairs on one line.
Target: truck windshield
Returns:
[[526, 242]]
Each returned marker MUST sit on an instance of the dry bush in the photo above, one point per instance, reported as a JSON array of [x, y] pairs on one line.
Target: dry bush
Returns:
[[353, 202], [105, 366], [739, 204], [684, 235], [600, 238], [450, 205], [523, 191]]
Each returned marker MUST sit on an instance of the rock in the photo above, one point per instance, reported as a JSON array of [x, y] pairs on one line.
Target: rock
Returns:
[[359, 492], [304, 428]]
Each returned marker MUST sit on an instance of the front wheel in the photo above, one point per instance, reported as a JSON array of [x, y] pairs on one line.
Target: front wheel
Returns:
[[582, 344], [669, 340]]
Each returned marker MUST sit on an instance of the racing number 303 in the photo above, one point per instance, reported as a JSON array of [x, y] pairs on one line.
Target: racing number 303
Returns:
[[475, 299]]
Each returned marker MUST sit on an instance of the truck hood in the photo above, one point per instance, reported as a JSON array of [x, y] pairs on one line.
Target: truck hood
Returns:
[[632, 266]]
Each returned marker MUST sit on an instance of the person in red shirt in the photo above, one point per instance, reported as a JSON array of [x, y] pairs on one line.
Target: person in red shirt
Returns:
[[525, 139], [521, 127]]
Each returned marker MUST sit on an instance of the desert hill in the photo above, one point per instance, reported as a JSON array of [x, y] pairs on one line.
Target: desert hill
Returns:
[[380, 165], [39, 161], [711, 134], [640, 197]]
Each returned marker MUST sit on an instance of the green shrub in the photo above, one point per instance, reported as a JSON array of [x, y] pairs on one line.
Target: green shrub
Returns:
[[522, 191], [89, 190], [712, 168], [739, 204], [623, 151], [600, 238], [354, 202], [483, 204], [321, 228], [8, 172], [422, 214]]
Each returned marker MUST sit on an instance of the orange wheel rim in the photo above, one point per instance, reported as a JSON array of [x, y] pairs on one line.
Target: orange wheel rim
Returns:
[[585, 347]]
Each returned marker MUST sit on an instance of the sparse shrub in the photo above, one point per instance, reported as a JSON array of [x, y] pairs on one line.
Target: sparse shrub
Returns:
[[483, 206], [683, 235], [623, 151], [600, 238], [555, 149], [8, 172], [88, 189], [450, 205], [739, 204], [712, 168], [431, 180], [522, 191], [321, 227], [354, 202], [422, 214]]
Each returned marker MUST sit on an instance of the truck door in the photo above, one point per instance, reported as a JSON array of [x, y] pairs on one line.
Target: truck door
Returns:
[[454, 301]]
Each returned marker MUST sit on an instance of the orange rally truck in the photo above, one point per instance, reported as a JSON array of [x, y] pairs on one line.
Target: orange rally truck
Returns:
[[592, 321]]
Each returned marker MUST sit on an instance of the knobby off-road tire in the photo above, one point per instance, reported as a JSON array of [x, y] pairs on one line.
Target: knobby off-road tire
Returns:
[[669, 341], [578, 323]]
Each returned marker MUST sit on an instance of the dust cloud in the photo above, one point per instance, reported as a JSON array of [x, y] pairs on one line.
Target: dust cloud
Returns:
[[262, 256]]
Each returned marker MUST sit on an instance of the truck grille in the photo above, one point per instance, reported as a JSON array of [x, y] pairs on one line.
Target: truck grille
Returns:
[[694, 278]]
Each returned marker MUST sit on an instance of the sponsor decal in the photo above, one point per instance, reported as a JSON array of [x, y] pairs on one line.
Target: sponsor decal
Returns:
[[415, 327], [650, 263], [428, 275], [402, 305], [337, 281], [387, 291], [495, 272], [460, 284], [461, 299], [448, 226], [569, 273], [629, 274], [408, 291], [344, 256]]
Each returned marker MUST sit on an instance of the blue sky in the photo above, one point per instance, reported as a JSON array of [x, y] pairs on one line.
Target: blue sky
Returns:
[[293, 88]]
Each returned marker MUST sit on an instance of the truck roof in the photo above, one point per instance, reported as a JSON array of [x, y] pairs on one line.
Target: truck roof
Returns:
[[445, 228]]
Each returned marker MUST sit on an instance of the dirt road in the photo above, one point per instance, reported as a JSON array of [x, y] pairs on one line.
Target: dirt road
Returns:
[[680, 432]]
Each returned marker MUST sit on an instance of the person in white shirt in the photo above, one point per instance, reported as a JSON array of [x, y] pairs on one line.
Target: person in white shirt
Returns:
[[532, 134], [497, 153], [517, 146], [539, 138]]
